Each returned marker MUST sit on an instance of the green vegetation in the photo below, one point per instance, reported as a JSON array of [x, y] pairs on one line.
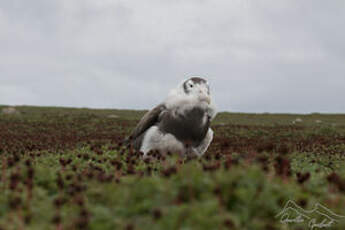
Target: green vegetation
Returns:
[[66, 168]]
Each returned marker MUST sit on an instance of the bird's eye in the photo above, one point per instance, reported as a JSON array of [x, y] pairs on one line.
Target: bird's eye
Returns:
[[190, 85]]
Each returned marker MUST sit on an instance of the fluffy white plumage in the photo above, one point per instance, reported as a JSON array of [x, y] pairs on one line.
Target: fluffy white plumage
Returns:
[[178, 99]]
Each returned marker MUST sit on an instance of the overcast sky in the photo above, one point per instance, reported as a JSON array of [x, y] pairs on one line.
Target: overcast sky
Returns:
[[258, 55]]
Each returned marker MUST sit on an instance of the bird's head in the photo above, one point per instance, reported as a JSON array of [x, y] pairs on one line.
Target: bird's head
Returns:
[[194, 91], [198, 88]]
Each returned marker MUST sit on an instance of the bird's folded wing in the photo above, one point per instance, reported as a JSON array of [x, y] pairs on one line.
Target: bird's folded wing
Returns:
[[148, 120]]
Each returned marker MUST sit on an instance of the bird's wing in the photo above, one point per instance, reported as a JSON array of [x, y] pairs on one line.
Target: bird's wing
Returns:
[[201, 149], [148, 120]]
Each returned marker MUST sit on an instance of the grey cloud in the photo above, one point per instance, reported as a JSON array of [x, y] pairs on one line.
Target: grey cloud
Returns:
[[260, 56]]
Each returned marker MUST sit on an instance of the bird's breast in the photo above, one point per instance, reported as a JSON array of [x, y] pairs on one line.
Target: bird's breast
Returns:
[[191, 126]]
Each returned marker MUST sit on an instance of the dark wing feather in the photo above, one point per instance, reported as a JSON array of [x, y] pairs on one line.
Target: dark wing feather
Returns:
[[148, 120]]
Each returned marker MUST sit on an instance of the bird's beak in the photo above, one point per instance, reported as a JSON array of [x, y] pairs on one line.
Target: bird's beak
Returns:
[[203, 95], [205, 98]]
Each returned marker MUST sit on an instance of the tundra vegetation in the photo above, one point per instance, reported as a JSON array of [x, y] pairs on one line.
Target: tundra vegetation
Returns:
[[65, 168]]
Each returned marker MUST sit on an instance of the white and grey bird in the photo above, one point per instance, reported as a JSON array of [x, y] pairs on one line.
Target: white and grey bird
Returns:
[[181, 124]]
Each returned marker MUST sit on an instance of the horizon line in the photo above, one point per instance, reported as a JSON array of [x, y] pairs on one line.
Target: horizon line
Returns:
[[139, 109]]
